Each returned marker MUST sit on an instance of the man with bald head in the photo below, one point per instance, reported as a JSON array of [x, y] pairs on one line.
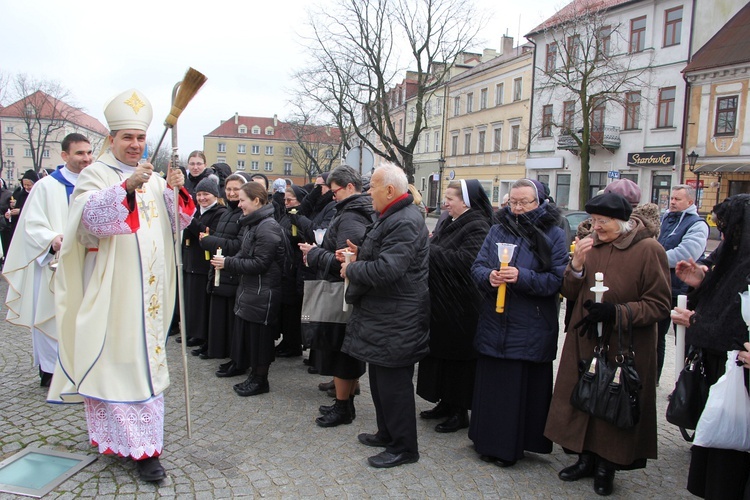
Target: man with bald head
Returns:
[[389, 325]]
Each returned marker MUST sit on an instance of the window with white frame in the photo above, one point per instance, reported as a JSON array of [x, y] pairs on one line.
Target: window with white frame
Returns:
[[456, 105], [497, 139], [269, 150], [329, 154], [437, 141], [9, 128], [241, 149], [240, 164], [467, 143], [499, 90], [9, 151], [515, 136], [454, 145], [242, 129], [256, 130], [222, 147], [517, 89], [427, 141], [269, 166], [27, 153], [480, 142], [439, 106], [483, 99], [288, 151], [255, 149], [269, 130], [470, 102], [287, 168], [254, 165], [428, 109], [45, 153]]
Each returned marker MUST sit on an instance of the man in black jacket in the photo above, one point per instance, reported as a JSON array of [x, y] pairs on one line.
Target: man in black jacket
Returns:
[[389, 325]]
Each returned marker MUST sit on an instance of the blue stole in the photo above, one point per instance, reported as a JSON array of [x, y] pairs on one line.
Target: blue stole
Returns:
[[58, 176]]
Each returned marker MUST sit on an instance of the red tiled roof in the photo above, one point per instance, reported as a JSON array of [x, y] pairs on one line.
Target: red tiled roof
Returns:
[[282, 131], [51, 107], [577, 8], [730, 45]]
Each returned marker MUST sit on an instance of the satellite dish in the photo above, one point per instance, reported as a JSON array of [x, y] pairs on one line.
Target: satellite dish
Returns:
[[360, 159]]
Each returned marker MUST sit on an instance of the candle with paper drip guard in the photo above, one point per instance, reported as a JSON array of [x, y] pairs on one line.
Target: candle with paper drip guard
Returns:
[[217, 272], [679, 339], [599, 290], [348, 259], [505, 254], [294, 228]]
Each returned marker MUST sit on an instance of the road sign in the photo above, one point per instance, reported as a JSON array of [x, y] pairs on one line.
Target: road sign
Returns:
[[613, 174], [691, 183], [360, 159]]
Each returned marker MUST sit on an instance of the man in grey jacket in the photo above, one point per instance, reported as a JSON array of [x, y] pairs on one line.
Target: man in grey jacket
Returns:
[[389, 325], [683, 235]]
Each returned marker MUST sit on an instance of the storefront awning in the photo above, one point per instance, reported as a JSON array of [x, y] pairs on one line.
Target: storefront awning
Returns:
[[715, 168]]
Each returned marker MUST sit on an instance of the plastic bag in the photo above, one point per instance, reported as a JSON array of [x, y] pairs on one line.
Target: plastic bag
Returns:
[[725, 422]]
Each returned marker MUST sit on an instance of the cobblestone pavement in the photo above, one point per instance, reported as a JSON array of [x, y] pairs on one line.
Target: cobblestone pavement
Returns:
[[269, 445]]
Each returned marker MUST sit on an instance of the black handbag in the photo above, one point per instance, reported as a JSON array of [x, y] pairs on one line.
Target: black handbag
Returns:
[[610, 390], [689, 396]]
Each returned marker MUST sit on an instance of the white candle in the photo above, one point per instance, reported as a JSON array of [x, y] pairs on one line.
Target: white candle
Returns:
[[217, 280], [679, 339], [599, 290]]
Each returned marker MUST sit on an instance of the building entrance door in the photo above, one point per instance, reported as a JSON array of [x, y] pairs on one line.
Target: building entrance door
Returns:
[[660, 191]]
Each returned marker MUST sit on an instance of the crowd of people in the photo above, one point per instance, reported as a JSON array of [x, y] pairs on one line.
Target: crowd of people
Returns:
[[482, 325]]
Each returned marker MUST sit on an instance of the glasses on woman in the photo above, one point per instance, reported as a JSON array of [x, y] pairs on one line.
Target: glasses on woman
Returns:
[[600, 221], [521, 203], [334, 191]]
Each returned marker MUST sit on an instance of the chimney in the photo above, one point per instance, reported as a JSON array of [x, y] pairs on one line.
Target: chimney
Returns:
[[488, 54], [506, 45], [236, 118], [275, 121]]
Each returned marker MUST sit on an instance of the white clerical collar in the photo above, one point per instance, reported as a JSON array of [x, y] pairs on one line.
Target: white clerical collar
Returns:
[[127, 169], [68, 175]]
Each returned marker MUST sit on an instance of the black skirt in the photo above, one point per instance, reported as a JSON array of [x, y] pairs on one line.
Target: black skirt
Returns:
[[448, 380], [510, 406], [253, 344], [221, 320], [339, 364], [196, 305]]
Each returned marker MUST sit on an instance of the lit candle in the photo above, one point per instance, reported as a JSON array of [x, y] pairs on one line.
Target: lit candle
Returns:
[[208, 254], [217, 280], [573, 247], [599, 290], [504, 260], [348, 259]]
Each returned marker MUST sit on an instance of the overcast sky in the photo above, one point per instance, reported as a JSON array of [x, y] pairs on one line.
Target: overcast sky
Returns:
[[247, 49]]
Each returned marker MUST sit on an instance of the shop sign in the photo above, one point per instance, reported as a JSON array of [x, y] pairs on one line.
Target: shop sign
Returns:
[[655, 159]]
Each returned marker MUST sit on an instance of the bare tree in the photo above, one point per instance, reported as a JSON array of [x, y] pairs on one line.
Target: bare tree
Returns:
[[317, 146], [587, 63], [357, 57], [43, 106]]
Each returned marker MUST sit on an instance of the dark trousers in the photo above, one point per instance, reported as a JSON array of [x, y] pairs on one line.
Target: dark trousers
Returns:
[[393, 395]]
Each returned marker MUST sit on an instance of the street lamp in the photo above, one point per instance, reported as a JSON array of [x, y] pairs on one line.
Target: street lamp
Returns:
[[439, 201], [692, 160]]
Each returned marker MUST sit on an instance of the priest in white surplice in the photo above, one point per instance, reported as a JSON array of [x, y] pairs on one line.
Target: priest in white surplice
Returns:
[[115, 291], [30, 299]]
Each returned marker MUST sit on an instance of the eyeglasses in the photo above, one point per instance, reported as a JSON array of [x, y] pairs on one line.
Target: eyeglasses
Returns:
[[334, 191], [521, 203], [599, 221]]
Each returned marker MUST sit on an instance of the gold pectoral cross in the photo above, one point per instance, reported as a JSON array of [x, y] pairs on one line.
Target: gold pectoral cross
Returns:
[[146, 209]]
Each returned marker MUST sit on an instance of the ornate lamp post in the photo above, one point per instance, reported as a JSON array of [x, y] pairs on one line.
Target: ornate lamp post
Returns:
[[692, 160]]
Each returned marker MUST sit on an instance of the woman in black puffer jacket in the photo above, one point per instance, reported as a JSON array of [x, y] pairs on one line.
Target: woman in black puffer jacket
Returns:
[[259, 262], [221, 307]]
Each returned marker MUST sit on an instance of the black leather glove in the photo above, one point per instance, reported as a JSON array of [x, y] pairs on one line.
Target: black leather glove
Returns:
[[599, 312]]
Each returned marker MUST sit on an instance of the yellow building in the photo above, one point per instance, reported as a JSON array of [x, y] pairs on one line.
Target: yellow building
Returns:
[[487, 120], [273, 148], [719, 120]]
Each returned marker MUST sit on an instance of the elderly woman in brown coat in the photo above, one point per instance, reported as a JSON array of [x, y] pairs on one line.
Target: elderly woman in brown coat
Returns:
[[636, 271]]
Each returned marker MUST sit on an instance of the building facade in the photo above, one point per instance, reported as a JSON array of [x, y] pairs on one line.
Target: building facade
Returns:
[[32, 128], [274, 148]]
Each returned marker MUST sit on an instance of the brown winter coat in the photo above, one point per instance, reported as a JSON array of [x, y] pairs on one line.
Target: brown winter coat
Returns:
[[636, 271]]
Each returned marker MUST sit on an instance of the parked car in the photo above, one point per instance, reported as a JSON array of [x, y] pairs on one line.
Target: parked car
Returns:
[[574, 217]]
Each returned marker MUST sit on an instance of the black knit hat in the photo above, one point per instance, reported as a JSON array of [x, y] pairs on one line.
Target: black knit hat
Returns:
[[299, 193], [611, 205], [30, 175], [208, 185]]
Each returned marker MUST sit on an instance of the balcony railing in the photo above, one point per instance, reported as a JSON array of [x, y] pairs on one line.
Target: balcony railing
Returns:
[[606, 137]]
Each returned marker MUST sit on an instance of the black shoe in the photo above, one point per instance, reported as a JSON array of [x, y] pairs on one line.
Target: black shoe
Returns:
[[386, 459], [604, 477], [199, 350], [584, 467], [497, 461], [457, 421], [193, 342], [307, 362], [313, 371], [204, 355], [45, 379], [341, 413], [372, 440], [256, 384], [441, 410], [230, 371], [288, 353], [224, 366], [150, 470], [326, 386]]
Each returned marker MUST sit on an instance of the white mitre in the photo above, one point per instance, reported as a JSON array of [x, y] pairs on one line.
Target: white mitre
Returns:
[[129, 110]]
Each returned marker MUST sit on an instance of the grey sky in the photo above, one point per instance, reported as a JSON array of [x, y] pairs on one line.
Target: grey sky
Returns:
[[247, 49]]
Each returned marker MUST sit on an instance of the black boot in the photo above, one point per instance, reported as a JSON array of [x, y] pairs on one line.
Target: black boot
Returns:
[[459, 420], [256, 384], [341, 414], [325, 409], [150, 469], [604, 477], [584, 467], [441, 410]]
